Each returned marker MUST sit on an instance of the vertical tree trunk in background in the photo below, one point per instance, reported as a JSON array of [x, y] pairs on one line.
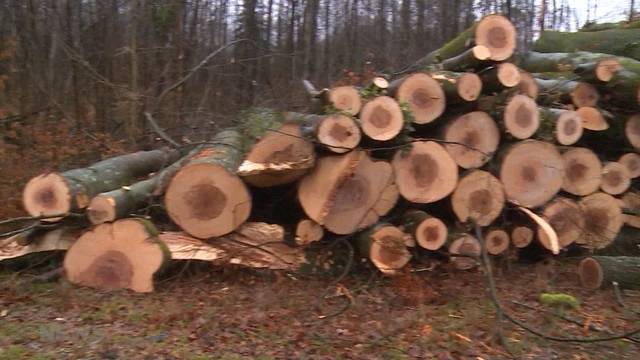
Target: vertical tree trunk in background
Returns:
[[355, 41], [327, 43], [420, 40], [292, 36], [131, 123], [74, 71], [406, 29], [631, 10], [382, 31], [543, 12]]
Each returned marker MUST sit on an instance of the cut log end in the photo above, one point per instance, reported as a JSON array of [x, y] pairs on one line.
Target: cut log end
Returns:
[[566, 219], [591, 275], [469, 86], [206, 200], [47, 194], [426, 173], [569, 128], [469, 247], [632, 162], [497, 241], [585, 94], [101, 209], [481, 52], [532, 173], [479, 196], [508, 75], [602, 218], [606, 68], [424, 95], [498, 34], [388, 250], [528, 85], [615, 178], [583, 171], [339, 133], [380, 82], [521, 117], [308, 231], [472, 139], [431, 234], [382, 118], [632, 131], [521, 236], [346, 98], [120, 255], [592, 119]]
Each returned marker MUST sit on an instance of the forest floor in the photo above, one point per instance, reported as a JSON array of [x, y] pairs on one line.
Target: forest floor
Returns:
[[215, 313]]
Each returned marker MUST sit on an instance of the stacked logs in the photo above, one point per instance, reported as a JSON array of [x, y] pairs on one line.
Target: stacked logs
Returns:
[[539, 149]]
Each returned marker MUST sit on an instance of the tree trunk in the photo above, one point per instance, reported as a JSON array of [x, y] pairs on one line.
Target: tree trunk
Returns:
[[476, 58], [121, 255], [619, 42], [479, 196], [60, 193], [428, 231], [385, 246], [206, 198], [601, 271]]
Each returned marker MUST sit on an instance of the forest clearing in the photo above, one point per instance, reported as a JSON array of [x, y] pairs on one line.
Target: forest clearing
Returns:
[[480, 202]]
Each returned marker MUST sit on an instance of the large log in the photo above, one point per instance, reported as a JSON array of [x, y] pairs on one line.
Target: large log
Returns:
[[593, 118], [422, 93], [600, 271], [428, 231], [60, 193], [206, 198], [479, 196], [343, 193], [623, 90], [531, 172], [384, 245], [602, 218], [621, 42], [121, 255], [425, 173], [471, 139]]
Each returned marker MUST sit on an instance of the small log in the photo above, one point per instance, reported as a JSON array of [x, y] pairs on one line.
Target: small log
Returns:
[[501, 76], [567, 220], [615, 178], [345, 98], [459, 87], [381, 118], [342, 190], [497, 241], [631, 200], [121, 255], [522, 236], [426, 173], [528, 85], [601, 271], [57, 239], [423, 94], [626, 243], [562, 126], [254, 245], [632, 131], [578, 93], [602, 218], [206, 198], [60, 193], [479, 196], [471, 139], [336, 132], [592, 118], [583, 171], [385, 246], [631, 161], [467, 246], [621, 42], [517, 114], [475, 58], [308, 231], [601, 70], [623, 90], [531, 172], [429, 231]]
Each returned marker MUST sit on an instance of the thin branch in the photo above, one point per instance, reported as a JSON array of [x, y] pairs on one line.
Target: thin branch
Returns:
[[158, 130]]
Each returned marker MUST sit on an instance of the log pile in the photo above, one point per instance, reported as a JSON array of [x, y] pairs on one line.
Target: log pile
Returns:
[[539, 149]]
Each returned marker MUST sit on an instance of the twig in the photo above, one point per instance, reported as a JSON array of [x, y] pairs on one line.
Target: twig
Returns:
[[34, 218], [158, 130], [345, 271], [563, 317], [618, 293]]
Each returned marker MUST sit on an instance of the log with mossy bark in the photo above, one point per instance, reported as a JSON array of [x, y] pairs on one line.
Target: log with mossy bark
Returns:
[[589, 66], [626, 243], [476, 58], [459, 87], [60, 193], [602, 271], [621, 42], [385, 245], [500, 77], [430, 232], [563, 91], [623, 90], [594, 26], [121, 255], [206, 198]]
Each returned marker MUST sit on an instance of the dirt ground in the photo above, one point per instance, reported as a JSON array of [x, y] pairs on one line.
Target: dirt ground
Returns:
[[212, 313]]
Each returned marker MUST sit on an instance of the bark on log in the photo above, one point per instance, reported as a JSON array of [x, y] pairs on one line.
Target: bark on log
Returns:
[[600, 271], [343, 192], [384, 245], [206, 198], [381, 118], [476, 58], [559, 125], [459, 87], [426, 173], [621, 42], [531, 172], [603, 220], [615, 178], [423, 94], [627, 243], [479, 196], [583, 63], [471, 139], [60, 193], [566, 91], [428, 231], [121, 255], [583, 171], [623, 90], [567, 220], [469, 247]]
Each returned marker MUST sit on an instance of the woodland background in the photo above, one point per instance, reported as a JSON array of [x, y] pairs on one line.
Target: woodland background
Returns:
[[81, 73]]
